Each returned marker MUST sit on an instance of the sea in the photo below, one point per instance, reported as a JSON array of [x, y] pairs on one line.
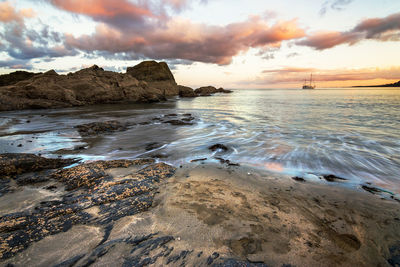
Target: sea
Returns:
[[353, 133]]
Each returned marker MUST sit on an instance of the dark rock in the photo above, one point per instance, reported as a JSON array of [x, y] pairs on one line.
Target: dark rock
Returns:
[[371, 189], [178, 122], [88, 186], [95, 128], [211, 258], [226, 161], [333, 178], [218, 147], [196, 160], [394, 251], [152, 146], [298, 179], [13, 163], [185, 91], [19, 145], [171, 115]]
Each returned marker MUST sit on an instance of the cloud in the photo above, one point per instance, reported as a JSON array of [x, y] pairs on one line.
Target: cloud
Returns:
[[379, 29], [289, 75], [143, 29], [182, 39], [21, 44], [334, 5]]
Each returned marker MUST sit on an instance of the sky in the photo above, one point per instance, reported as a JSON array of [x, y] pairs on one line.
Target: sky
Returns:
[[228, 43]]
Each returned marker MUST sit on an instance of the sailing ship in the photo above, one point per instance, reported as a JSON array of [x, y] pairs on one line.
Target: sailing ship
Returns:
[[309, 85]]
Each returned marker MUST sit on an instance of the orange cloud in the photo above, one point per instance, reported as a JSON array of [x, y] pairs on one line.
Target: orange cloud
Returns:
[[102, 8], [380, 29], [9, 14]]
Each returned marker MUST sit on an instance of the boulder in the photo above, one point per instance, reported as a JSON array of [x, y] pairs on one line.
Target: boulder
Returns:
[[157, 75], [209, 90], [185, 91]]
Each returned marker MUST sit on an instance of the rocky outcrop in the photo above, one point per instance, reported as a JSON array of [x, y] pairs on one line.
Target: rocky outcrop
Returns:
[[16, 76], [157, 75], [146, 82], [87, 86], [209, 90]]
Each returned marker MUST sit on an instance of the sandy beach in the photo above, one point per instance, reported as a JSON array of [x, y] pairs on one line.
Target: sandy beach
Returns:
[[212, 214]]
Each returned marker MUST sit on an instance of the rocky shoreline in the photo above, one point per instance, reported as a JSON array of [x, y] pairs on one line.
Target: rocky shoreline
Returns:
[[146, 82], [140, 212]]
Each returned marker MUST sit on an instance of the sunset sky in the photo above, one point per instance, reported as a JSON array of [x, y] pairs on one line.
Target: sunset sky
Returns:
[[229, 43]]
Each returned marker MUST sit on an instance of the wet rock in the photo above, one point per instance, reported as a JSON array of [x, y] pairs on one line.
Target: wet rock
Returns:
[[17, 163], [4, 186], [226, 161], [32, 178], [178, 122], [333, 178], [298, 179], [89, 186], [371, 189], [196, 160], [89, 174], [394, 251], [152, 146], [211, 258], [96, 128], [219, 147], [171, 115]]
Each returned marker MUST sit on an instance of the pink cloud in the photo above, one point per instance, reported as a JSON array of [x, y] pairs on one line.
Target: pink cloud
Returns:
[[380, 29]]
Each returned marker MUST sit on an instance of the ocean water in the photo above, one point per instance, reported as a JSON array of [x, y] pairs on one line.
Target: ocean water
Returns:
[[352, 133]]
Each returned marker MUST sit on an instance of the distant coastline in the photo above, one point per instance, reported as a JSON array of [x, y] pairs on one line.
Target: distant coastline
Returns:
[[396, 84]]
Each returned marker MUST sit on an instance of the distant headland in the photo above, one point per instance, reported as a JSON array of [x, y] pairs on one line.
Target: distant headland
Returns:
[[396, 84]]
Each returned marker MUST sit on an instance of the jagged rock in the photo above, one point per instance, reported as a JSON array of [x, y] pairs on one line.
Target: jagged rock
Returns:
[[157, 75], [209, 90], [185, 91], [13, 163]]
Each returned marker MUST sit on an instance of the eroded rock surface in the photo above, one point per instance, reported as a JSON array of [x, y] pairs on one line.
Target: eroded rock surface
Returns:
[[94, 197]]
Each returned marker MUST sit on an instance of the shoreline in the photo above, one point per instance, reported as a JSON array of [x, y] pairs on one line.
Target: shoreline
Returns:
[[213, 214]]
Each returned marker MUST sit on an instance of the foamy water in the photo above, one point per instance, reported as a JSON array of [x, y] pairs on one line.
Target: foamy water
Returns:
[[352, 133]]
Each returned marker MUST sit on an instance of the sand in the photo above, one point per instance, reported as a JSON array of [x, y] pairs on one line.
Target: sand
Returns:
[[245, 214]]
